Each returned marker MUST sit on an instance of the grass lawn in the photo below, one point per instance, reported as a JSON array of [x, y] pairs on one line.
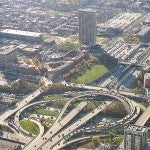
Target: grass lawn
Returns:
[[115, 109], [72, 38], [30, 126], [91, 74], [92, 105], [101, 40], [47, 120], [60, 40], [135, 90], [54, 97], [47, 123], [46, 112]]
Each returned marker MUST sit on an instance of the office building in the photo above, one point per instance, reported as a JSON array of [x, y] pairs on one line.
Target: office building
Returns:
[[135, 137], [87, 26]]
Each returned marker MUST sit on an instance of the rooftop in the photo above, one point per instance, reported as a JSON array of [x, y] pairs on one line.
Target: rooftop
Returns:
[[87, 10], [136, 129], [7, 49], [121, 20], [144, 30], [147, 75], [19, 32]]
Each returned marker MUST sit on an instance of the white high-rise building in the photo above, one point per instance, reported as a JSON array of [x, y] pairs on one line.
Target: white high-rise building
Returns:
[[135, 137]]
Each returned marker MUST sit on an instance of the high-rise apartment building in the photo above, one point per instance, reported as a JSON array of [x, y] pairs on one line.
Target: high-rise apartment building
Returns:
[[87, 26], [135, 137]]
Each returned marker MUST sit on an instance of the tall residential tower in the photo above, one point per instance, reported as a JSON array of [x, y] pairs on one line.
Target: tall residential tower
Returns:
[[135, 137], [87, 26]]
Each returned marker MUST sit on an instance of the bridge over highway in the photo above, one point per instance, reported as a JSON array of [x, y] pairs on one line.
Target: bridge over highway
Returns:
[[55, 131], [144, 117]]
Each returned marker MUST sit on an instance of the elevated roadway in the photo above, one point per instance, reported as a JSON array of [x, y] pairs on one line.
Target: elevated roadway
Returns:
[[58, 125], [97, 88], [135, 110], [71, 128], [144, 117], [17, 115], [141, 122], [62, 122], [21, 104]]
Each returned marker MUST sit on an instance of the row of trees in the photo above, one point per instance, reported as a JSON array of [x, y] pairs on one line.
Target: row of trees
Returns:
[[56, 88], [19, 87], [112, 140], [22, 86]]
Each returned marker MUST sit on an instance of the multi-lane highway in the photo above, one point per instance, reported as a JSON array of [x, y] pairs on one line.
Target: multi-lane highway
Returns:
[[54, 144], [21, 104], [61, 123], [54, 138], [144, 117], [97, 88], [17, 115], [57, 126]]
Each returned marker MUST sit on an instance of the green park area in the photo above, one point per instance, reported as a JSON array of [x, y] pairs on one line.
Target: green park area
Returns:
[[92, 73], [72, 39], [47, 123], [134, 87], [96, 141], [54, 97], [55, 12], [101, 40], [135, 90], [30, 126], [92, 105], [46, 112], [115, 109], [56, 101], [67, 44]]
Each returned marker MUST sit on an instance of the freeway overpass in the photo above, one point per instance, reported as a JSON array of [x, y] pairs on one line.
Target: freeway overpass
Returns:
[[141, 121], [21, 104], [98, 88], [56, 139], [61, 123], [144, 117], [57, 126], [17, 115]]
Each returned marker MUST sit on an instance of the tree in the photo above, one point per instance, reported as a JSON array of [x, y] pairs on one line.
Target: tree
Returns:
[[15, 85], [90, 106], [95, 140], [117, 140], [23, 86], [111, 135], [131, 39], [37, 63], [67, 45]]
